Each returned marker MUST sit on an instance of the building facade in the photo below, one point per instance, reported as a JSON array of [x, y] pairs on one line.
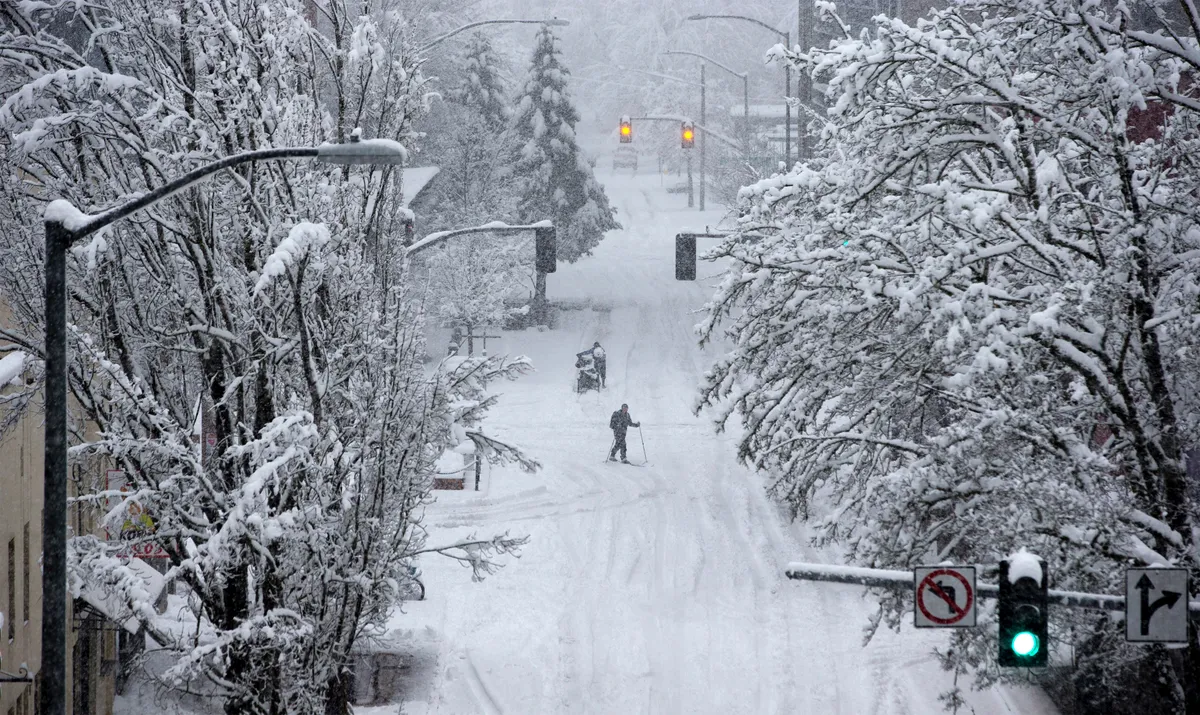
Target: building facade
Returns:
[[20, 538], [92, 641]]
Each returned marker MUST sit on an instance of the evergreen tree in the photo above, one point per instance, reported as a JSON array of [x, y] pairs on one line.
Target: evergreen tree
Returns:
[[557, 180], [482, 87]]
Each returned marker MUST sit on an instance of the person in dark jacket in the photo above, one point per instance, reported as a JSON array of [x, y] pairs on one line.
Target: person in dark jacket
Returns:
[[620, 422], [601, 362]]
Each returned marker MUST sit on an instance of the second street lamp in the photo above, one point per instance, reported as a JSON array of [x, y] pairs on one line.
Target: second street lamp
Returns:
[[787, 77], [744, 76], [553, 22], [64, 225]]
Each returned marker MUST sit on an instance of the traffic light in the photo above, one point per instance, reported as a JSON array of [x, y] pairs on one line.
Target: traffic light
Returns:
[[409, 231], [685, 256], [546, 249], [626, 130], [1023, 613], [687, 136]]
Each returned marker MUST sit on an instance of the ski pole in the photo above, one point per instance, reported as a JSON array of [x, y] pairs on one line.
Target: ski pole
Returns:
[[610, 447], [644, 457]]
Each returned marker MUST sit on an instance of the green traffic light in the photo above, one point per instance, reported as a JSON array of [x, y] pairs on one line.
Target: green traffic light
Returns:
[[1025, 644]]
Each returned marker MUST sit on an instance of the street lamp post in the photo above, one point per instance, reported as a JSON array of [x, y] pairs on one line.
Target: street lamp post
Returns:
[[64, 225], [787, 76], [703, 140], [554, 22], [744, 76]]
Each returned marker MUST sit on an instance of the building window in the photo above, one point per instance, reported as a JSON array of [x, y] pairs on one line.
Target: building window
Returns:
[[25, 582], [12, 589]]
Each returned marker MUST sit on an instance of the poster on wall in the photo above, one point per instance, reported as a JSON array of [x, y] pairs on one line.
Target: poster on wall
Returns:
[[137, 525]]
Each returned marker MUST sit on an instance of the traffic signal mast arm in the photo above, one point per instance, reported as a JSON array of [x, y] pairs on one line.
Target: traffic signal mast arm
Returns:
[[497, 227], [680, 118], [881, 578]]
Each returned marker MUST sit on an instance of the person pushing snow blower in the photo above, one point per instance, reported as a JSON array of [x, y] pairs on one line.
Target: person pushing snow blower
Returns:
[[601, 362], [619, 423], [596, 360]]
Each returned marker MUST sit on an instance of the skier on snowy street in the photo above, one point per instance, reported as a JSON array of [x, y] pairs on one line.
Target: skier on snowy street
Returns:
[[620, 422], [601, 361]]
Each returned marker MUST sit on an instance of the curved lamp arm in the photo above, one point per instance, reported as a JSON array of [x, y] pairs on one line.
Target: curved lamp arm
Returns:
[[739, 75], [438, 40], [760, 23]]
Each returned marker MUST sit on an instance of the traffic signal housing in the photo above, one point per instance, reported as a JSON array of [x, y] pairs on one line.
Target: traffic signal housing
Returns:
[[685, 256], [1023, 614], [626, 130], [546, 249], [687, 135]]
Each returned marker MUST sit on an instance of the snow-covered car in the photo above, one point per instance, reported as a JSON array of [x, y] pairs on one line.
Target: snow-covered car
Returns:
[[625, 157]]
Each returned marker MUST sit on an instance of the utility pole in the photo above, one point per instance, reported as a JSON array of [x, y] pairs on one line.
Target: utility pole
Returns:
[[787, 107], [691, 202], [703, 139], [804, 82], [746, 114]]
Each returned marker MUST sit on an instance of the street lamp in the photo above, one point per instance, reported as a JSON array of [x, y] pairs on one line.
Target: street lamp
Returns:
[[787, 76], [554, 22], [64, 225], [744, 76]]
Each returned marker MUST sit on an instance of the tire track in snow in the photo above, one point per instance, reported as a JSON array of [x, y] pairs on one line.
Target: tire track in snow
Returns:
[[663, 563], [483, 696]]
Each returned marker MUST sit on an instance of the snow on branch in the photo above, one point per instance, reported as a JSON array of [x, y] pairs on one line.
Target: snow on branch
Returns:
[[479, 554]]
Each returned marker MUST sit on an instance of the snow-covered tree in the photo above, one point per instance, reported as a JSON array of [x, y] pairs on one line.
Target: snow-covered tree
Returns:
[[475, 183], [482, 86], [556, 176], [474, 281], [267, 291], [970, 325]]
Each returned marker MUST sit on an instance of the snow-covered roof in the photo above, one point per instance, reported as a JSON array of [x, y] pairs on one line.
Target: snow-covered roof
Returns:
[[110, 604], [415, 178], [771, 111]]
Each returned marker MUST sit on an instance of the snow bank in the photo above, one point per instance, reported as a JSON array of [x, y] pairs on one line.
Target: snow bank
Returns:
[[11, 367]]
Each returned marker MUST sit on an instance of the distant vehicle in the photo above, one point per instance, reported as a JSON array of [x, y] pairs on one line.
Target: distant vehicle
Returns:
[[625, 157]]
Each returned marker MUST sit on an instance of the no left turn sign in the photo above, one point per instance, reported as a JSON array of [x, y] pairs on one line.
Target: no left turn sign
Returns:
[[945, 596]]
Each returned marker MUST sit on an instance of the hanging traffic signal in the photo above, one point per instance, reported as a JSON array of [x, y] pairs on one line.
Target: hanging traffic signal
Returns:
[[626, 130], [685, 256], [546, 249], [687, 137], [1023, 613]]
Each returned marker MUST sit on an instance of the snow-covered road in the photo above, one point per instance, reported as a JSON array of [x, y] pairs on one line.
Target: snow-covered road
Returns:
[[656, 589]]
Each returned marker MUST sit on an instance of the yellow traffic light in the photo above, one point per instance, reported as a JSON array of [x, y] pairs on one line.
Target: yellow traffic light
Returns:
[[688, 137]]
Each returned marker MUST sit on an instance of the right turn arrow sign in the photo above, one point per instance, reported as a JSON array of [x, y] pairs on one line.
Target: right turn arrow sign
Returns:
[[1155, 607]]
